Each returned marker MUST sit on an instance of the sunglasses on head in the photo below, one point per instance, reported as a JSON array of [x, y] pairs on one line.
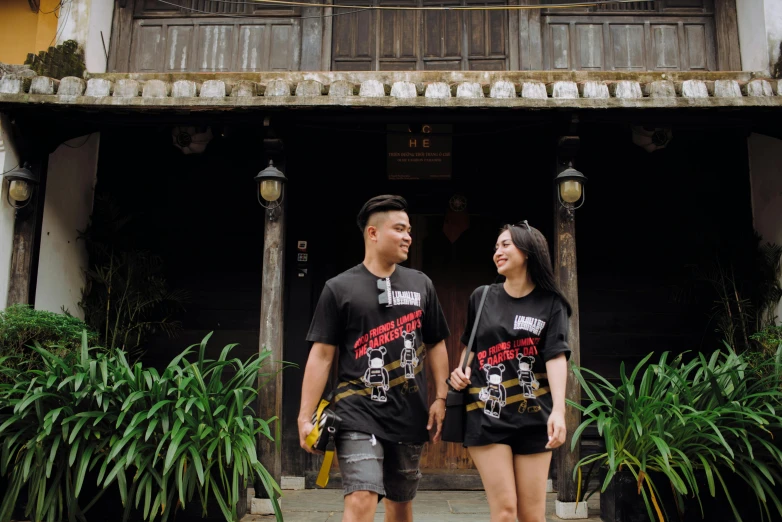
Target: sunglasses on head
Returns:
[[523, 223]]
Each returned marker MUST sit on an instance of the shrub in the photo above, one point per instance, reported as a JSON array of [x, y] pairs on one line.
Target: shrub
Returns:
[[21, 326], [676, 418], [162, 439]]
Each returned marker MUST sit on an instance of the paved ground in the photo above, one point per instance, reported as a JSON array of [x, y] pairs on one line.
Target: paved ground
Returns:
[[316, 505]]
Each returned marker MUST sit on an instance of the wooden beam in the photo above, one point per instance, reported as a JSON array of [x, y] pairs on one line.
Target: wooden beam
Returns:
[[121, 33], [567, 277], [727, 35], [24, 251], [271, 334]]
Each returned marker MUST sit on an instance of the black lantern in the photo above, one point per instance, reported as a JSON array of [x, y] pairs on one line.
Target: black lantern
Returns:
[[570, 187], [22, 183], [270, 183]]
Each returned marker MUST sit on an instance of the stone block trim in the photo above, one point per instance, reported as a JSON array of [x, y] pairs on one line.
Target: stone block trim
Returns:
[[404, 90], [469, 90], [660, 89], [14, 84], [71, 86], [567, 90], [758, 88], [503, 89], [372, 89], [99, 87], [534, 90], [438, 90], [245, 89], [126, 89], [626, 89], [44, 85], [693, 89], [727, 89], [384, 89], [309, 88], [184, 89], [593, 90], [342, 88], [156, 89]]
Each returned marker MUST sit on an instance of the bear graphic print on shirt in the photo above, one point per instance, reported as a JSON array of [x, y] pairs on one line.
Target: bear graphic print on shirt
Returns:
[[509, 384], [380, 327]]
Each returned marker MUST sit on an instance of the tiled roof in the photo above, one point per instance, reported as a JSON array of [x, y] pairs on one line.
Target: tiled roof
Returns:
[[521, 89]]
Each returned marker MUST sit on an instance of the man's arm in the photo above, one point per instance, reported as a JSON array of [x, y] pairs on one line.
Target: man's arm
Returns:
[[316, 375], [438, 362]]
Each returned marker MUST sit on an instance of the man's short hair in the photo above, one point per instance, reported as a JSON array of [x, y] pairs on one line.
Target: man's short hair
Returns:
[[384, 203]]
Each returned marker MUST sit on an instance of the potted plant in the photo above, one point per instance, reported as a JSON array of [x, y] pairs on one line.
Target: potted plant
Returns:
[[681, 437], [160, 441]]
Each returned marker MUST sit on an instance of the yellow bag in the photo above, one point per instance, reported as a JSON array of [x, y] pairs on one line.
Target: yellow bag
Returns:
[[322, 437]]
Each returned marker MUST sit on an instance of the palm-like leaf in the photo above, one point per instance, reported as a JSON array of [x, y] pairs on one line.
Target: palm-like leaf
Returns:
[[677, 418], [163, 439]]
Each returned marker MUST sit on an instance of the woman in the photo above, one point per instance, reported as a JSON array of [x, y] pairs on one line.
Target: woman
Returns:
[[517, 375]]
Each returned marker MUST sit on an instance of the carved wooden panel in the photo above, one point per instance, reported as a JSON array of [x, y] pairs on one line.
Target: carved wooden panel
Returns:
[[420, 40], [661, 35], [196, 8], [149, 48], [207, 45], [590, 46], [353, 47], [628, 44]]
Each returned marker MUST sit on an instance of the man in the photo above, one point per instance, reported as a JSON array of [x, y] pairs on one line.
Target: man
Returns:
[[370, 315]]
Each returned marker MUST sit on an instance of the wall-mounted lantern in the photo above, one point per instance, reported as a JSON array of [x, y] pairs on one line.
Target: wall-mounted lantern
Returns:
[[271, 183], [22, 184], [570, 185]]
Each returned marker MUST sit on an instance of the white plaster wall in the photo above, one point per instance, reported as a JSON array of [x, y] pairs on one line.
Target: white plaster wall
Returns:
[[83, 21], [760, 31], [773, 10], [69, 196], [8, 161], [765, 163]]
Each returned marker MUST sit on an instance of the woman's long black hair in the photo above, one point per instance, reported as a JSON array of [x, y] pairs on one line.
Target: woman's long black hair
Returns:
[[529, 240]]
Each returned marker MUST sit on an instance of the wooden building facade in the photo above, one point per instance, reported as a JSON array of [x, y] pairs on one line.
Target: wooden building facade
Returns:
[[329, 87], [179, 36]]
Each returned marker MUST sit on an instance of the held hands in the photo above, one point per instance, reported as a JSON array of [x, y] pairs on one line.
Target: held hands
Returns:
[[460, 379], [557, 430], [305, 428]]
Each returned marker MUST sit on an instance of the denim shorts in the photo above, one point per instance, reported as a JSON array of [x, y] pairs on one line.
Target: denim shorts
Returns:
[[390, 469]]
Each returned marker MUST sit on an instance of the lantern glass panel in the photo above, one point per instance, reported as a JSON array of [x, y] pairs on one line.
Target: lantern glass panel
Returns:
[[19, 190], [570, 190], [271, 189]]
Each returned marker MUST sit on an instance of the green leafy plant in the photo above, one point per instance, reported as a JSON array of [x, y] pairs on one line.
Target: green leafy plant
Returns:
[[126, 298], [742, 285], [161, 438], [678, 418], [21, 326]]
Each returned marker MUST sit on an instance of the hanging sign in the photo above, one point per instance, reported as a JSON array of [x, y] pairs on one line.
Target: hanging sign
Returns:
[[423, 154]]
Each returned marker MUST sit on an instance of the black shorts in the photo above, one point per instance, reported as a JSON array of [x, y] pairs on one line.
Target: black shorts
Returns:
[[528, 441]]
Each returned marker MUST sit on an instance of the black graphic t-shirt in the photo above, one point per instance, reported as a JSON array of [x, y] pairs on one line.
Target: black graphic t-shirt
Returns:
[[382, 381], [509, 387]]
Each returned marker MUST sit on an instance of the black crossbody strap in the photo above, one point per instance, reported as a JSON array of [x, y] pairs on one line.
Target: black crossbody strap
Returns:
[[474, 328]]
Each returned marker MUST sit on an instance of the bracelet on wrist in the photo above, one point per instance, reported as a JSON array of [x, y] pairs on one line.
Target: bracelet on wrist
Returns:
[[440, 398]]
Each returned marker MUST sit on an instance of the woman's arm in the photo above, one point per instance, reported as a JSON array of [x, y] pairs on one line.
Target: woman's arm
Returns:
[[461, 379], [556, 368]]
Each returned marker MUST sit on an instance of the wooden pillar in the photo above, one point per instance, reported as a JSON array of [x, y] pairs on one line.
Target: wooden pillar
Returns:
[[567, 277], [727, 35], [271, 334], [24, 253]]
